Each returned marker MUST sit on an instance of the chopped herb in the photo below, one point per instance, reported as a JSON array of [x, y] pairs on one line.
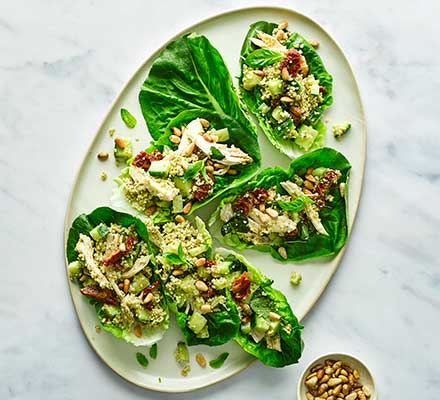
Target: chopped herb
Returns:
[[111, 131], [128, 119], [142, 360], [216, 154], [219, 361], [159, 379], [194, 168], [153, 351], [97, 328], [176, 259], [103, 175], [296, 205]]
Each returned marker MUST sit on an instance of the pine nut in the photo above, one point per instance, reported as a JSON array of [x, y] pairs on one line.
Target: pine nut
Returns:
[[201, 286], [325, 378], [309, 185], [310, 396], [280, 35], [176, 131], [274, 316], [207, 137], [316, 368], [190, 149], [259, 72], [273, 214], [334, 381], [201, 360], [218, 166], [329, 370], [343, 378], [282, 252], [309, 171], [179, 219], [209, 168], [126, 285], [150, 210], [314, 43], [120, 142], [344, 372], [205, 308], [345, 389], [262, 207], [311, 178], [83, 278], [311, 383], [320, 374], [200, 262], [232, 171], [366, 391], [204, 122], [286, 99], [138, 331], [361, 395], [283, 25], [177, 272], [356, 374], [351, 396], [148, 298], [322, 388], [187, 208], [310, 376], [102, 155], [285, 74], [121, 285], [337, 390], [174, 139]]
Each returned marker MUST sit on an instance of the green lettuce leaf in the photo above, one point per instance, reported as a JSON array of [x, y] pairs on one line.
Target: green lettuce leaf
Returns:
[[83, 224], [252, 99], [333, 216], [291, 342], [262, 57]]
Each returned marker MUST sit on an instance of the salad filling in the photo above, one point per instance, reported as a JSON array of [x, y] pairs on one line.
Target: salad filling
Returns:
[[196, 283], [113, 266], [171, 181], [284, 82], [295, 214], [268, 328]]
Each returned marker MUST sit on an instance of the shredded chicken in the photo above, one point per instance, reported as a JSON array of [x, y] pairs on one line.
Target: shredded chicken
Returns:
[[138, 266], [266, 41]]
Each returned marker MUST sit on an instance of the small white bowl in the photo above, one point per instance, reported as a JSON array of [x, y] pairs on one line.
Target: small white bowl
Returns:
[[366, 378]]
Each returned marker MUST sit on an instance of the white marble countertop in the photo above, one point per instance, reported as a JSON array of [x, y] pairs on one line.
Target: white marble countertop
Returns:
[[61, 65]]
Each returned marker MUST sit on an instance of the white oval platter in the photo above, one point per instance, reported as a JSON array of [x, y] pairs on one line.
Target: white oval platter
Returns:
[[226, 32]]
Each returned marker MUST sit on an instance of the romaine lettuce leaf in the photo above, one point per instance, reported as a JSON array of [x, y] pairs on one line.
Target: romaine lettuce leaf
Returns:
[[333, 216], [83, 224], [290, 338], [252, 99]]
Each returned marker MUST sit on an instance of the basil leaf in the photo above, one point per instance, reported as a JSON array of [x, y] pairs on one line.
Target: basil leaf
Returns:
[[142, 360], [262, 57], [193, 169], [216, 154], [128, 119], [296, 205], [153, 351], [173, 258], [219, 361]]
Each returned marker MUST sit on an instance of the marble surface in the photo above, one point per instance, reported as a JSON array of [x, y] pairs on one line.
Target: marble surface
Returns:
[[63, 63]]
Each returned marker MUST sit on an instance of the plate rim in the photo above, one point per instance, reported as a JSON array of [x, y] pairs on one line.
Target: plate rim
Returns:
[[79, 170]]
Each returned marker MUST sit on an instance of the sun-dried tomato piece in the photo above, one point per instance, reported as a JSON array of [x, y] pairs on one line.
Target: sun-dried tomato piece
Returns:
[[292, 62], [241, 287], [144, 159], [116, 255], [326, 182], [260, 194], [244, 203], [201, 192], [150, 288], [209, 263], [291, 233], [101, 294]]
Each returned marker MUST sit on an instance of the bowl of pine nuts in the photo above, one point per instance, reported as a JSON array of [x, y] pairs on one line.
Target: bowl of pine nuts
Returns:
[[336, 376]]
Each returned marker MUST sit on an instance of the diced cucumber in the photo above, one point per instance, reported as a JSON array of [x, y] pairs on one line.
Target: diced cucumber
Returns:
[[285, 128], [110, 310], [315, 89], [246, 328], [139, 282], [319, 171], [75, 269], [197, 322], [298, 180], [250, 80], [222, 268], [261, 324], [160, 168], [183, 185], [275, 86], [306, 137], [222, 135], [99, 232], [274, 327], [198, 250], [177, 204], [279, 114], [264, 108], [123, 149], [143, 314]]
